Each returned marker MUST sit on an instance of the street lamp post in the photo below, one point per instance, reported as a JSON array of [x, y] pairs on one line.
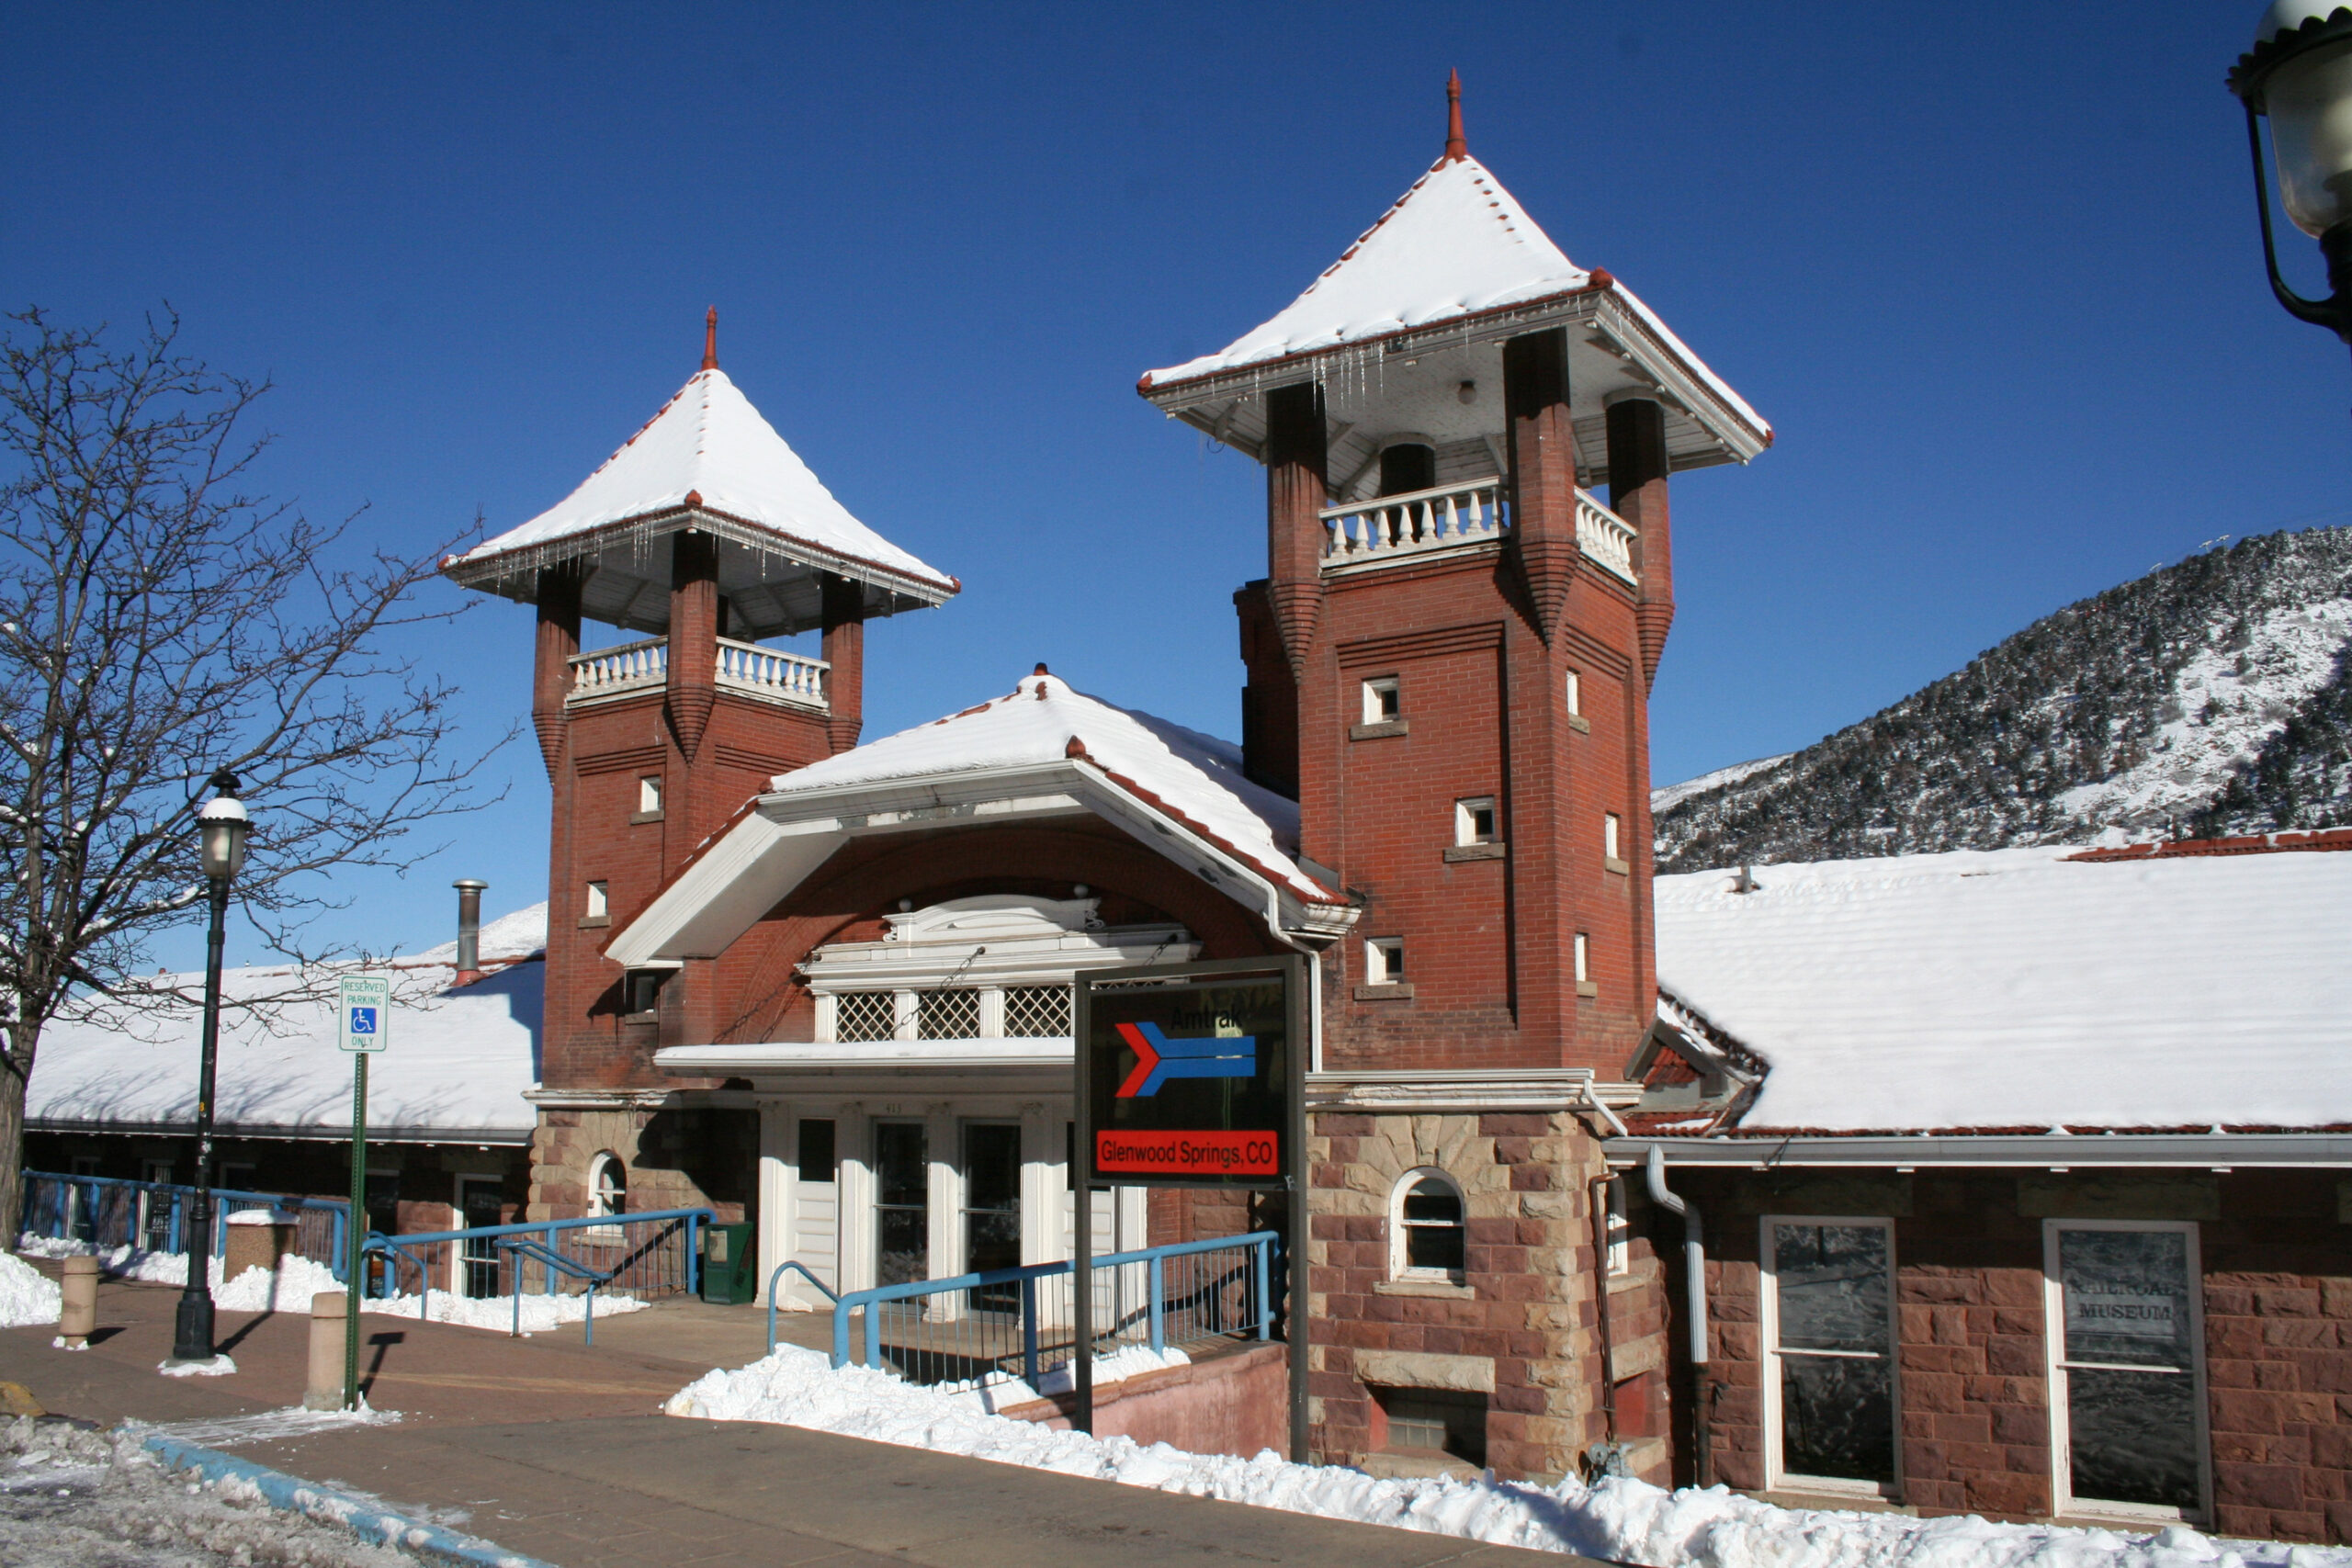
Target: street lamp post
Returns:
[[2298, 75], [222, 829]]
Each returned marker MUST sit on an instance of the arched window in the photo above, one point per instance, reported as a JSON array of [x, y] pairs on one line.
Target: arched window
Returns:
[[608, 1185], [1425, 1227]]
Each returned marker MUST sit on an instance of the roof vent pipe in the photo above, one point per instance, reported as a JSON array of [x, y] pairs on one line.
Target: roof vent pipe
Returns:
[[468, 928], [1694, 1280]]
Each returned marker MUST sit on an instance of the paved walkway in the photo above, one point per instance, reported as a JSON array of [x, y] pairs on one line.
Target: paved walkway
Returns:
[[552, 1448]]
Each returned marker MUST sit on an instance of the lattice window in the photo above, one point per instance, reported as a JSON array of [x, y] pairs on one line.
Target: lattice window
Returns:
[[865, 1015], [1037, 1012], [947, 1015]]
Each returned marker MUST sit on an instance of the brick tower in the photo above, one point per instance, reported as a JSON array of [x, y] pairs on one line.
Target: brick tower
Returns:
[[1449, 662], [705, 534]]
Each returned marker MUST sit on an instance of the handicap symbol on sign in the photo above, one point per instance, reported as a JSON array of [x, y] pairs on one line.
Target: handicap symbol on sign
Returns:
[[363, 1020]]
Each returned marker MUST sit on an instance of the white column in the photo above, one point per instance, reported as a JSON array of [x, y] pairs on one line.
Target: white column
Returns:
[[944, 1191], [779, 1191], [853, 1198], [1041, 1176]]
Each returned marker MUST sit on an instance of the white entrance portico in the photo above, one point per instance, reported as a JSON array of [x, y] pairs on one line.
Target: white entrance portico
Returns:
[[925, 1129]]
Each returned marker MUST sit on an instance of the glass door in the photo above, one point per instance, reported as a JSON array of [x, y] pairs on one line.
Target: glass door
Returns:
[[2126, 1385], [992, 1209], [1830, 1394], [902, 1202]]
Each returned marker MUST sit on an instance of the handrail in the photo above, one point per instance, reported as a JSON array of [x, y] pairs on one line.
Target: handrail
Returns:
[[524, 1246], [703, 1215], [802, 1269], [1027, 1274], [180, 1192]]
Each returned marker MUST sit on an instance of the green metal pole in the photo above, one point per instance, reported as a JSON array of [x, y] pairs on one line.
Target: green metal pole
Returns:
[[356, 1226]]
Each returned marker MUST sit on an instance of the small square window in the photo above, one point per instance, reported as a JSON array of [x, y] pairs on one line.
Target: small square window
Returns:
[[1383, 961], [1584, 957], [1572, 686], [1473, 820], [645, 989], [599, 906], [1382, 701], [1609, 834], [649, 794]]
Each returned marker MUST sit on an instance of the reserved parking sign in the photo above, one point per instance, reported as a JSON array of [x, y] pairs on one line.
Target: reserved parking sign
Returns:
[[364, 1002]]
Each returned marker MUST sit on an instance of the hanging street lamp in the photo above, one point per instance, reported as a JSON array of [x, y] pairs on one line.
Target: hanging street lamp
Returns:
[[221, 827], [2299, 76]]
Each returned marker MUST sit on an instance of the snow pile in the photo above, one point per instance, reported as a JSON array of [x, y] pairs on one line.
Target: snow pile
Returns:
[[2225, 703], [26, 1295], [70, 1497], [1623, 1520], [2004, 988], [213, 1367], [290, 1287]]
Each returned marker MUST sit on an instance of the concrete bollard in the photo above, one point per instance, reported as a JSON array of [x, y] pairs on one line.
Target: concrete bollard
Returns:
[[325, 1389], [80, 1317]]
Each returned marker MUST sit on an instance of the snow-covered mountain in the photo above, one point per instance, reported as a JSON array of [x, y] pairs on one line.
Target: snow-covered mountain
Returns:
[[2214, 696]]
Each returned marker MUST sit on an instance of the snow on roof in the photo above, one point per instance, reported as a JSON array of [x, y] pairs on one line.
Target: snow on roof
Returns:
[[710, 449], [1196, 776], [457, 1062], [2013, 988], [1455, 244]]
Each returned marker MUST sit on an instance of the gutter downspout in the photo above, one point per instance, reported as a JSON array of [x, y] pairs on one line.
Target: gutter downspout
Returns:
[[1694, 1280]]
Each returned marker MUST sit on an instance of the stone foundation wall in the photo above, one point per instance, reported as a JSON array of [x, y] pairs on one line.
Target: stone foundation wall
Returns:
[[675, 1158], [1518, 1327]]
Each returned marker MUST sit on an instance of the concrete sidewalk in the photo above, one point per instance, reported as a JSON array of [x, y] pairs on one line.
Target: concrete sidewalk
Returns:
[[555, 1449]]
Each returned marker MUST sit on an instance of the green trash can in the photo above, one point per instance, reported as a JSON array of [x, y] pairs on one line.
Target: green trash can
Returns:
[[731, 1264]]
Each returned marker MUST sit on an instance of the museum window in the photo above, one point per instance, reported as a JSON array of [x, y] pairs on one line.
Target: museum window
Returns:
[[2126, 1374], [1426, 1230], [1828, 1333]]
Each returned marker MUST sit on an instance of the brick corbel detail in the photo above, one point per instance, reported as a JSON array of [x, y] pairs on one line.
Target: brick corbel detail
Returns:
[[559, 639], [1297, 454], [694, 638], [1544, 470], [1637, 473]]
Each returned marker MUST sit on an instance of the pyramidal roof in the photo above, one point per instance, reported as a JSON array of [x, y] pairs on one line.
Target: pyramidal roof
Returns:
[[1456, 245], [708, 452]]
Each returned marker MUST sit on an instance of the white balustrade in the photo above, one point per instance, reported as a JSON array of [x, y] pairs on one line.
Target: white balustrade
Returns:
[[1442, 518], [765, 672], [1604, 538], [611, 672]]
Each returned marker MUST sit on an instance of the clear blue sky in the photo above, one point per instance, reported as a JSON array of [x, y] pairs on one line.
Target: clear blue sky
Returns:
[[1991, 271]]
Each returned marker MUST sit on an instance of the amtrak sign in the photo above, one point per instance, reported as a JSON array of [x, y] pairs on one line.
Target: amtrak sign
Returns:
[[1188, 1075]]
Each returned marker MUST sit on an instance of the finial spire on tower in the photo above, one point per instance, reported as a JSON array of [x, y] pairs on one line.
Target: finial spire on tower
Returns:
[[1456, 148], [710, 340]]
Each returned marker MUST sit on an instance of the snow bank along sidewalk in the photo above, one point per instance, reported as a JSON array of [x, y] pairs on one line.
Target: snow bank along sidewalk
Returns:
[[1625, 1520], [27, 1296], [291, 1286], [70, 1496]]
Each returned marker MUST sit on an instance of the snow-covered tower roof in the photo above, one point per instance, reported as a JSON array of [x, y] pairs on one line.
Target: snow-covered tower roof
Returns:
[[708, 462], [1408, 318]]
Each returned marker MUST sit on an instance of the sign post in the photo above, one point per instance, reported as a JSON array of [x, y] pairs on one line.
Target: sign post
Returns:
[[365, 1003], [1193, 1075]]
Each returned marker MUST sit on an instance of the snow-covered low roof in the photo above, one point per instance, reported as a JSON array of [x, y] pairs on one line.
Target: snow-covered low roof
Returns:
[[2015, 989], [1196, 775], [707, 460], [457, 1064], [1044, 750]]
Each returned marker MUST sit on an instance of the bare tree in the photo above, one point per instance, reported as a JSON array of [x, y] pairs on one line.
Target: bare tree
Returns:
[[158, 622]]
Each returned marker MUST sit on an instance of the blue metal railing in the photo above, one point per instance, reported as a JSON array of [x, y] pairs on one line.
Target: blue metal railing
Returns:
[[108, 1211], [974, 1327], [652, 1254]]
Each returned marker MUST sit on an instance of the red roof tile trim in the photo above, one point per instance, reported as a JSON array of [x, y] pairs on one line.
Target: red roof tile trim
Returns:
[[2251, 844]]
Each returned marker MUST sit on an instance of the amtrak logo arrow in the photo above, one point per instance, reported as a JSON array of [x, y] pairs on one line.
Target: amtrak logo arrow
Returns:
[[1158, 1058]]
